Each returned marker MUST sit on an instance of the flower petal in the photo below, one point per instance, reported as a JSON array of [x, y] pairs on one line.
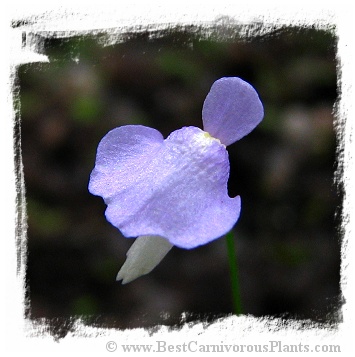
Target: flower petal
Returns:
[[121, 159], [142, 257], [176, 189], [232, 109]]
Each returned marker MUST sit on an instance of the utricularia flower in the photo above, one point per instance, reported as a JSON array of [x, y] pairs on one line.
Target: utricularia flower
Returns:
[[173, 192]]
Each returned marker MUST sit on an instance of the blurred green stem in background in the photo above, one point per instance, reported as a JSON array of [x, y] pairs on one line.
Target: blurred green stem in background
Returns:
[[232, 257]]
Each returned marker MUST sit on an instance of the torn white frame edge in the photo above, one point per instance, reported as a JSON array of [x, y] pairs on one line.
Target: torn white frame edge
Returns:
[[64, 22]]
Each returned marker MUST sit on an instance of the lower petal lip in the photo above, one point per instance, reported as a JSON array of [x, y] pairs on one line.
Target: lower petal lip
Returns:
[[180, 192]]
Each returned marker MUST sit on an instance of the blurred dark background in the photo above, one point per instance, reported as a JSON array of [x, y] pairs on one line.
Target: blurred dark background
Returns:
[[287, 238]]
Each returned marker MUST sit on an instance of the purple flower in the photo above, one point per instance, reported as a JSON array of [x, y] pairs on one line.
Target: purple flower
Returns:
[[174, 191]]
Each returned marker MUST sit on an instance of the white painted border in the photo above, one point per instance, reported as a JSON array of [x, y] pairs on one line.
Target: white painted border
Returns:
[[83, 17]]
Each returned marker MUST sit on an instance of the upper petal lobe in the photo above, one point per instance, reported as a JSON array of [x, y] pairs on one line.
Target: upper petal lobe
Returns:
[[232, 109]]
